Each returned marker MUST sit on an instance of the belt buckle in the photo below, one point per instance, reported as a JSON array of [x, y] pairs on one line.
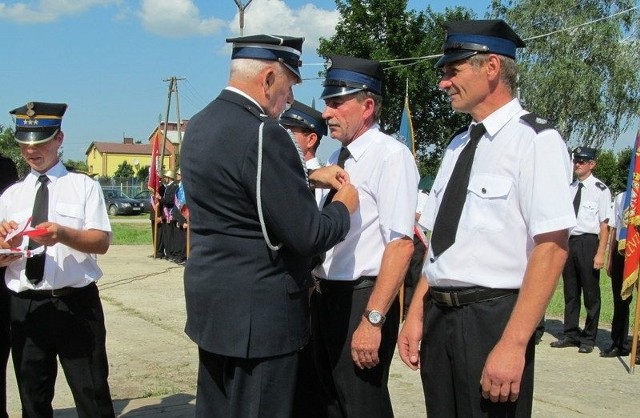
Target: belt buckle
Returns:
[[53, 293], [451, 299], [316, 285]]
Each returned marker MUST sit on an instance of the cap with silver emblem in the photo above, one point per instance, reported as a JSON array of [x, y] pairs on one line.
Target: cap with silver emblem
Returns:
[[348, 75], [38, 122]]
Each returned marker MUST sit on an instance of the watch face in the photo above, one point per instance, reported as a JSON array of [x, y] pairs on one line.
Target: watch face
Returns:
[[375, 317]]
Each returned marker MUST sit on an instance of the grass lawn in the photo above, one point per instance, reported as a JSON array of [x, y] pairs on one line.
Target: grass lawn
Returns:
[[130, 230]]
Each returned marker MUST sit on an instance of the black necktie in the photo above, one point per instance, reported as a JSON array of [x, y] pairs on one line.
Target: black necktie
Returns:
[[342, 157], [576, 199], [448, 217], [35, 264]]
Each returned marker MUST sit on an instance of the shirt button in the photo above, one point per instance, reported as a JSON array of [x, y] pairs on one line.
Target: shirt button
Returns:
[[484, 190]]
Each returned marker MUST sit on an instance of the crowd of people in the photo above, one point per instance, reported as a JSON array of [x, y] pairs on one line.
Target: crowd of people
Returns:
[[294, 268]]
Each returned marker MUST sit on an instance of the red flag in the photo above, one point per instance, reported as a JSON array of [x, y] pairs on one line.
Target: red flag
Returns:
[[631, 219], [154, 176]]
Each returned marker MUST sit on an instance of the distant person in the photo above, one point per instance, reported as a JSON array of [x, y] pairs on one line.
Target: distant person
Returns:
[[615, 269], [308, 128], [170, 226], [55, 309], [254, 229], [355, 310], [8, 176], [156, 216], [587, 247], [500, 215]]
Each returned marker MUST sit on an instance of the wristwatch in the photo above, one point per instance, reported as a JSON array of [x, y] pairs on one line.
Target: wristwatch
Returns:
[[375, 318]]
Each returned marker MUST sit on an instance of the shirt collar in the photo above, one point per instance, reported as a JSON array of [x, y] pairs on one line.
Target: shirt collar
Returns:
[[245, 95], [499, 118], [358, 146], [54, 173]]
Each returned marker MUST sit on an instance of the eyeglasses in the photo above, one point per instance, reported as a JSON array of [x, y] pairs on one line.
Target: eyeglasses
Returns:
[[580, 162]]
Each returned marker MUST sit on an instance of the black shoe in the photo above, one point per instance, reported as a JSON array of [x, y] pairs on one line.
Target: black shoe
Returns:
[[614, 351], [585, 349], [564, 343], [637, 358]]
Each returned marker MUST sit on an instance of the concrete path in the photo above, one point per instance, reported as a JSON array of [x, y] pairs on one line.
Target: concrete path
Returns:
[[153, 364]]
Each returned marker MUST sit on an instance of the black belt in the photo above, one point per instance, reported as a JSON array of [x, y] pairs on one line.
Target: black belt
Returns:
[[328, 286], [583, 236], [465, 296], [52, 293]]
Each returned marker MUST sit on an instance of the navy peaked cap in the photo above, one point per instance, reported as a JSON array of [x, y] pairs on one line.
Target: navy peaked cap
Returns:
[[584, 153], [285, 49], [303, 116], [38, 122], [467, 38], [348, 75]]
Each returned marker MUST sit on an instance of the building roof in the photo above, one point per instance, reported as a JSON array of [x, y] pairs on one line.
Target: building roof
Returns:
[[120, 148]]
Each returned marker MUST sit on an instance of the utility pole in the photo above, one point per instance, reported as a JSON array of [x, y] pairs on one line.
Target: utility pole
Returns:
[[241, 9], [173, 88]]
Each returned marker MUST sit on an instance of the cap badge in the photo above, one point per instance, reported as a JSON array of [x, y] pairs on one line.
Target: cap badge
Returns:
[[30, 111]]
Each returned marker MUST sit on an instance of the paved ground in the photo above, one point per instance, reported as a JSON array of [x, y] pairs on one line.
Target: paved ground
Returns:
[[153, 364]]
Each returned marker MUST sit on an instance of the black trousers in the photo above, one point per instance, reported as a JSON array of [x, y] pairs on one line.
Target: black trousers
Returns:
[[5, 342], [72, 329], [620, 321], [455, 346], [245, 388], [579, 277], [349, 392], [160, 249]]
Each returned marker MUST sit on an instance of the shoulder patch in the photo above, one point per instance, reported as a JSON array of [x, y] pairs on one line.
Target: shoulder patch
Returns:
[[456, 133], [601, 186], [536, 122]]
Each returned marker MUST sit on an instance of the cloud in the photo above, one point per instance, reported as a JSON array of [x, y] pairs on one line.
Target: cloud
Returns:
[[43, 11], [274, 16], [176, 19]]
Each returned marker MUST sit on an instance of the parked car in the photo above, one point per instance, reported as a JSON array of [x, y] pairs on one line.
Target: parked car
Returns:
[[119, 203], [144, 197]]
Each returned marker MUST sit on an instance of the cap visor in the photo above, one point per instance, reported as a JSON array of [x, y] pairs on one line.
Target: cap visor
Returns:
[[35, 138], [336, 91], [450, 57], [294, 70]]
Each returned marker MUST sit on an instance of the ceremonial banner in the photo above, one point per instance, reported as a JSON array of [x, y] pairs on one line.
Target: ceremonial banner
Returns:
[[631, 220], [406, 127], [154, 175]]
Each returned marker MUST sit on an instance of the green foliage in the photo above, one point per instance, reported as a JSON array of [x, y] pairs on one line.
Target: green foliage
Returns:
[[143, 173], [77, 165], [384, 30], [124, 171], [585, 79], [10, 149]]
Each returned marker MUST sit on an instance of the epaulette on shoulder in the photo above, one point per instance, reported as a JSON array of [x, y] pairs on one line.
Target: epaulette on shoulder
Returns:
[[536, 122], [601, 186], [456, 133]]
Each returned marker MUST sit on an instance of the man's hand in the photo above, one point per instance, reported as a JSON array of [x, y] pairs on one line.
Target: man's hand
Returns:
[[5, 228], [502, 372], [365, 343], [409, 341], [348, 195], [329, 177]]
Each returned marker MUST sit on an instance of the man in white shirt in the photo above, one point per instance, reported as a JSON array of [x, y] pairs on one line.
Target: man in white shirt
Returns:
[[499, 226], [355, 309], [55, 310]]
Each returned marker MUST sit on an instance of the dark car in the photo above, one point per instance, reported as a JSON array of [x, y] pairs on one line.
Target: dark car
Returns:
[[119, 203], [144, 197]]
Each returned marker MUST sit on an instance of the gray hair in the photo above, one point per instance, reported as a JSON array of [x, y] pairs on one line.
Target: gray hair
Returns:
[[508, 72]]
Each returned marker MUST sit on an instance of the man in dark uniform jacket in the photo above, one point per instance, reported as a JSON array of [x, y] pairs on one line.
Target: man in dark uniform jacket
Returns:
[[168, 203], [156, 216], [254, 229], [8, 176]]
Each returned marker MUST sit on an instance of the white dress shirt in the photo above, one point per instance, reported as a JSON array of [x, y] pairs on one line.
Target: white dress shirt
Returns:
[[76, 201], [385, 174], [595, 205], [518, 188]]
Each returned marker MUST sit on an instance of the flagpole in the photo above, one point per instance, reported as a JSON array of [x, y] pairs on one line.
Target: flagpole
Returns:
[[634, 342]]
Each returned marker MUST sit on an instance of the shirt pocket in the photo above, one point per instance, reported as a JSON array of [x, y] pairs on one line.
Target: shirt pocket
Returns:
[[70, 214], [589, 211], [487, 202]]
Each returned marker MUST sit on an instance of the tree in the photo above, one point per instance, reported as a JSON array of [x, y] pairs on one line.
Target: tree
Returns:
[[384, 30], [10, 149], [143, 173], [585, 79], [77, 165], [124, 171]]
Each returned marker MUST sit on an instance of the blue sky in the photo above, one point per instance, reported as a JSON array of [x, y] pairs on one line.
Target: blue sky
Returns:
[[108, 59]]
